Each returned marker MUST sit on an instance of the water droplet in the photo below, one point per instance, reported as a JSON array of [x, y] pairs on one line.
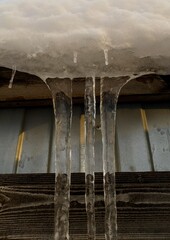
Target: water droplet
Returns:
[[106, 57], [75, 55]]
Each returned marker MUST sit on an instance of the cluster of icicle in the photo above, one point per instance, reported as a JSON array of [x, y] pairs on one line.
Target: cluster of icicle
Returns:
[[62, 101], [61, 90]]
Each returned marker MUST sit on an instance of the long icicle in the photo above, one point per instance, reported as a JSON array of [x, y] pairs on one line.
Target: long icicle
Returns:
[[90, 114], [109, 92], [62, 102]]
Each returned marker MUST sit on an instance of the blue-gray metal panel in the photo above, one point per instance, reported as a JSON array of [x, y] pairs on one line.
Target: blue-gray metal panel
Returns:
[[159, 134], [10, 125], [132, 143], [35, 151], [38, 148]]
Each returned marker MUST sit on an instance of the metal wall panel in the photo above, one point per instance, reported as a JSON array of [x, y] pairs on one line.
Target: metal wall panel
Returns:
[[10, 126], [159, 134], [36, 141], [142, 140], [133, 149]]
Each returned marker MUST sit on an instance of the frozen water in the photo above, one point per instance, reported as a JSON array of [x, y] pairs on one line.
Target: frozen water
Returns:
[[62, 102], [110, 88], [40, 37], [75, 57], [82, 143], [12, 76], [90, 115], [61, 207], [106, 57]]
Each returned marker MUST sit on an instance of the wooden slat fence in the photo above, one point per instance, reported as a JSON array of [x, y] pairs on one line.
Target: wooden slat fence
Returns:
[[27, 207]]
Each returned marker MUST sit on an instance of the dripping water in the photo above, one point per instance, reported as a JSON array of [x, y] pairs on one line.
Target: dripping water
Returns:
[[90, 114], [62, 102], [106, 57], [75, 54], [109, 92], [12, 76]]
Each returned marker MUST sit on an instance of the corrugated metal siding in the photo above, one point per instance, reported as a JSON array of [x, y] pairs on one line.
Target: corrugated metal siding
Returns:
[[27, 143], [36, 141], [159, 135], [132, 146], [10, 128]]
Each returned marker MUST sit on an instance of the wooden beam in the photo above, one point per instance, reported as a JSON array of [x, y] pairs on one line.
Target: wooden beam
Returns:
[[143, 203], [28, 87]]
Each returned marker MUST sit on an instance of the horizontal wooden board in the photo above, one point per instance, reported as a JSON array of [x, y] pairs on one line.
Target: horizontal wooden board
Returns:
[[27, 206], [27, 86]]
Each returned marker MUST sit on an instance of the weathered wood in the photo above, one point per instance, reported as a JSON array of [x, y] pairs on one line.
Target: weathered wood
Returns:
[[144, 98], [27, 208], [27, 86]]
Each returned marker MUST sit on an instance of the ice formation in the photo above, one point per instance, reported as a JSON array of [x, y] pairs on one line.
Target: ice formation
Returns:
[[87, 38]]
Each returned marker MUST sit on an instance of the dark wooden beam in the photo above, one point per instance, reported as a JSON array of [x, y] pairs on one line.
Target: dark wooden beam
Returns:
[[31, 87], [143, 203]]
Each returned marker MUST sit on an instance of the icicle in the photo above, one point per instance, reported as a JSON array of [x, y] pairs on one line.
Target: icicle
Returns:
[[62, 102], [75, 54], [82, 143], [109, 92], [90, 114], [106, 57], [12, 76]]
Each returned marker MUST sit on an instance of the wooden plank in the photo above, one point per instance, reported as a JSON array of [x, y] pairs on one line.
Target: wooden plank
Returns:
[[163, 98], [36, 141], [133, 149], [159, 135], [10, 126], [27, 86], [143, 203]]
